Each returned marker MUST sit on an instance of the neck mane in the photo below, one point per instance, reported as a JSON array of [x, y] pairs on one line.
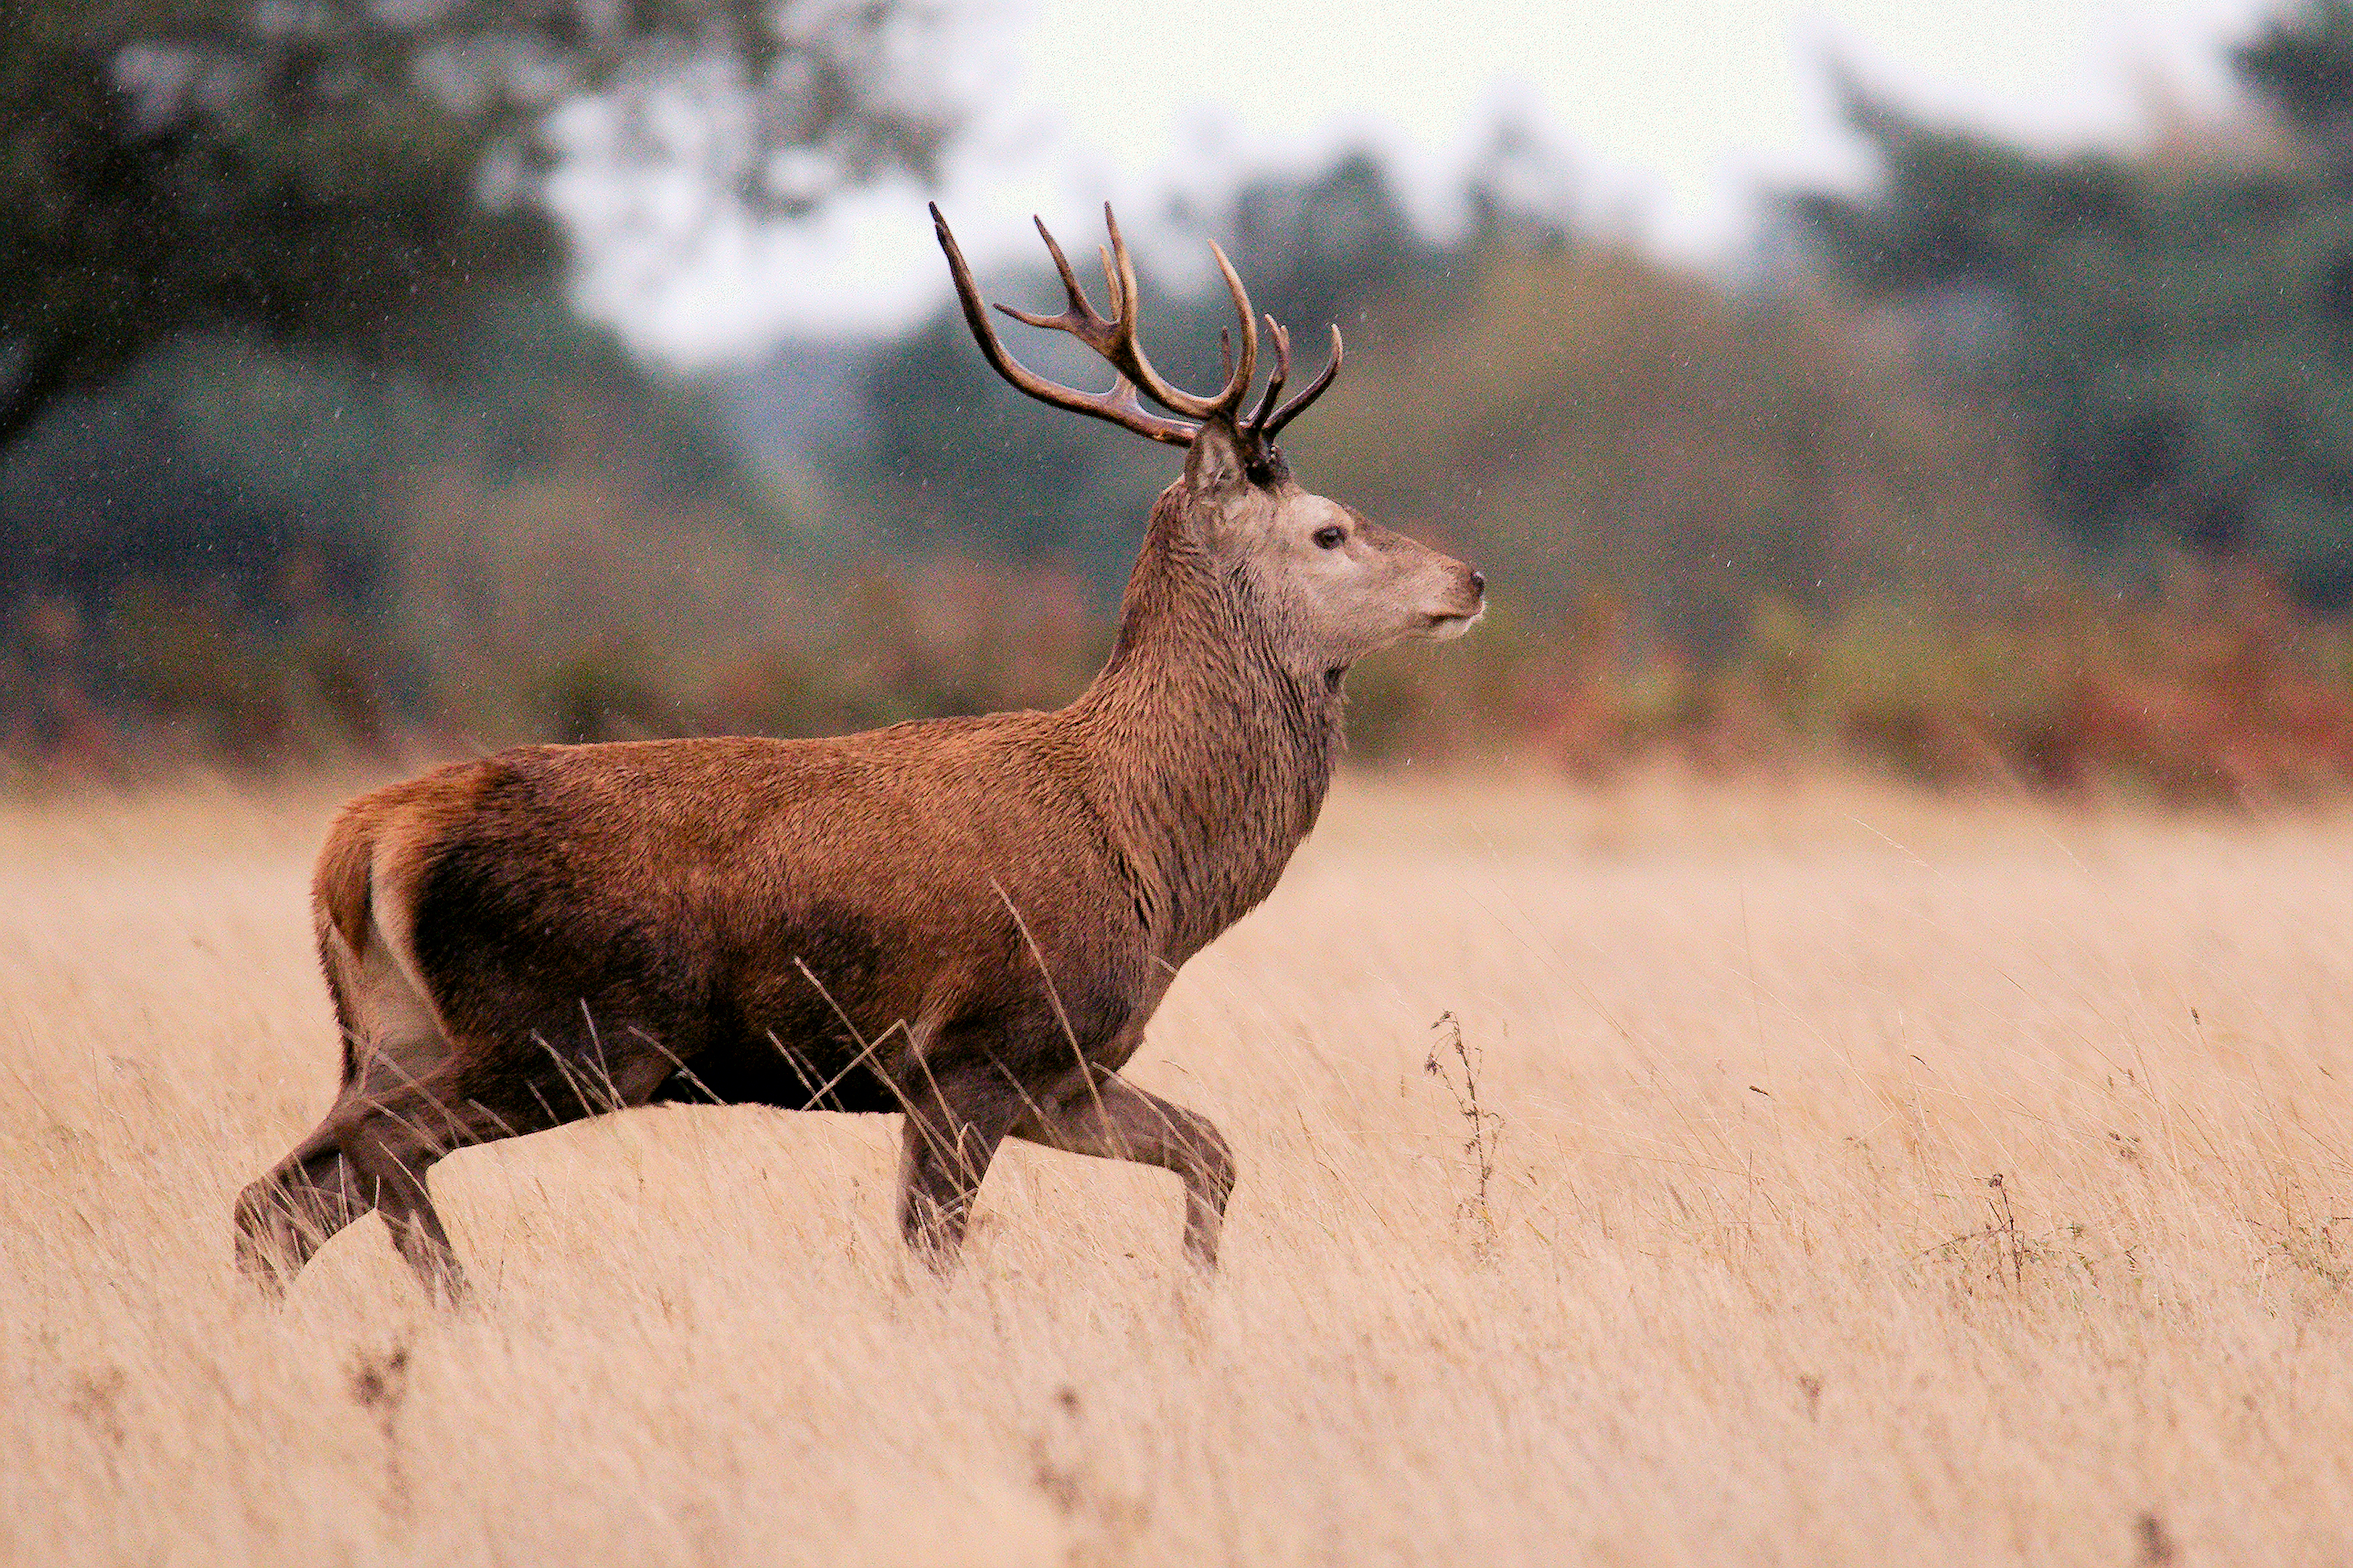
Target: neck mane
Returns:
[[1211, 755]]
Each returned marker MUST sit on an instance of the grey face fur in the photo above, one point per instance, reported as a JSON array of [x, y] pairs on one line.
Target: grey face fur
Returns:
[[1337, 586]]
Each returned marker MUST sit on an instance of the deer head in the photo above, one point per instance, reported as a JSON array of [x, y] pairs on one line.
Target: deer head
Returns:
[[1330, 586]]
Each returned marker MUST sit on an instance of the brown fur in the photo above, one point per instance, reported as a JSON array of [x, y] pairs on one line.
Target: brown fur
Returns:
[[969, 920]]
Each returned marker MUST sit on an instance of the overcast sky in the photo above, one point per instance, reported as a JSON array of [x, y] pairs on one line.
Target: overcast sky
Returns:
[[1672, 114]]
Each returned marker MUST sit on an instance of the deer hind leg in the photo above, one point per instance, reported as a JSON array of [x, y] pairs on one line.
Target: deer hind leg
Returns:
[[1111, 1119], [393, 1140], [285, 1217], [393, 1038]]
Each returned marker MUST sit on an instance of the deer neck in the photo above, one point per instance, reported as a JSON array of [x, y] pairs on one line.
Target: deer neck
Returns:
[[1212, 756]]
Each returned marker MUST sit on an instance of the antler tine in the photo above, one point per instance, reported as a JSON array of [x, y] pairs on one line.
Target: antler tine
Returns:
[[1308, 394], [1119, 405], [1078, 318], [1281, 337], [1079, 300], [1238, 387], [1110, 282], [1137, 366]]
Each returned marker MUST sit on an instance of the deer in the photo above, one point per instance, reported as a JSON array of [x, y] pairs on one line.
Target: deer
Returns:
[[966, 921]]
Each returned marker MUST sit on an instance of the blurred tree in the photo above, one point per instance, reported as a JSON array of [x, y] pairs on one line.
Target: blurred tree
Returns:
[[2303, 64], [219, 464], [2174, 339], [1588, 422], [336, 172]]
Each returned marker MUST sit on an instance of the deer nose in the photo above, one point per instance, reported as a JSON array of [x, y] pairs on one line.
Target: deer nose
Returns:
[[1478, 581]]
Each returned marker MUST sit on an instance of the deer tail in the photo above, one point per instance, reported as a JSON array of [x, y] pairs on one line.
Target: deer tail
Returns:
[[340, 894]]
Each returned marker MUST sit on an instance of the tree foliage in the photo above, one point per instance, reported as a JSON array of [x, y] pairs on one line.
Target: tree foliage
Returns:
[[220, 465], [2303, 63], [2177, 340], [1596, 428], [337, 171]]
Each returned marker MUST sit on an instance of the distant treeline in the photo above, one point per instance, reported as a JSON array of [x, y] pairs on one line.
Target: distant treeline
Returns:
[[1952, 415]]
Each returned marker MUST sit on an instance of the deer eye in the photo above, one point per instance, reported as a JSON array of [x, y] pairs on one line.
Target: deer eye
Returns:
[[1330, 537]]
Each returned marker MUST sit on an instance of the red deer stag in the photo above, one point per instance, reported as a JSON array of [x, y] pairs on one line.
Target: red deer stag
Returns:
[[968, 921]]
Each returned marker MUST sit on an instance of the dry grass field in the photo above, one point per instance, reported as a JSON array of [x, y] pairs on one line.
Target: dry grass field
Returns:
[[1741, 1289]]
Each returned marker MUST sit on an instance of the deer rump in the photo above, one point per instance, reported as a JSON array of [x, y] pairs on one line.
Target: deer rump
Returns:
[[564, 931]]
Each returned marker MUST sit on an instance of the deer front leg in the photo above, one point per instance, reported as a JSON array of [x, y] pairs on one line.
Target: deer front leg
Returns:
[[953, 1126], [1113, 1120]]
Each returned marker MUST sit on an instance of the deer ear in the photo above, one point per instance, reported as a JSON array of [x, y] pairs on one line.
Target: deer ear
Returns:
[[1215, 461]]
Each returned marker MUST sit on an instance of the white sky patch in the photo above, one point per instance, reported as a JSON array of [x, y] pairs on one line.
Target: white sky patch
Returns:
[[1674, 115]]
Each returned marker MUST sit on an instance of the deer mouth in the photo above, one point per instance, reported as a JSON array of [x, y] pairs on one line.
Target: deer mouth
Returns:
[[1447, 627]]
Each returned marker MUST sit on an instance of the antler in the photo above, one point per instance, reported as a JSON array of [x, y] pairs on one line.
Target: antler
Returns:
[[1114, 339], [1263, 426]]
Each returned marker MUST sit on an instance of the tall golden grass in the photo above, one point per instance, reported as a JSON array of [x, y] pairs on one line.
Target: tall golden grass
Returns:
[[1741, 1286]]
